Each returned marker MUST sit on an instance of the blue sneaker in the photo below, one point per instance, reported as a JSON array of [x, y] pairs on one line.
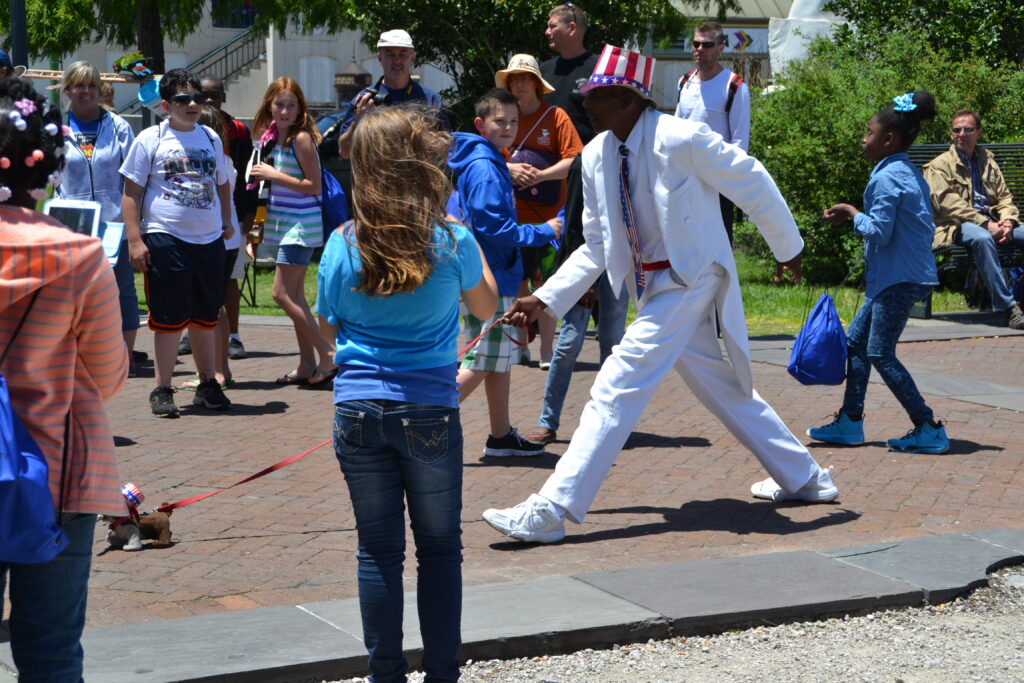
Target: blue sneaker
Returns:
[[841, 430], [922, 439]]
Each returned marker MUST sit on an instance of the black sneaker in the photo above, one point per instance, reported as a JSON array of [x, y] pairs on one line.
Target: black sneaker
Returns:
[[184, 346], [210, 395], [235, 349], [132, 370], [512, 444], [161, 402], [140, 356], [1015, 317]]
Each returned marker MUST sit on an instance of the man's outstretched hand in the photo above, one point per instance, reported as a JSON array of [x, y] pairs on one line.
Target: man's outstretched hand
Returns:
[[524, 311]]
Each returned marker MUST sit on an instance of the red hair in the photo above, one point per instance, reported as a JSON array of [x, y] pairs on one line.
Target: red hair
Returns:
[[304, 122]]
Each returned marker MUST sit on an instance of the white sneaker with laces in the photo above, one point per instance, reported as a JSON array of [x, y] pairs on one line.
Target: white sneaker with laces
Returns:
[[534, 521], [820, 489]]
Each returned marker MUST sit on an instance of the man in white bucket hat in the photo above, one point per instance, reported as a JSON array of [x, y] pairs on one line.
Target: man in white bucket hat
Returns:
[[396, 55], [651, 219]]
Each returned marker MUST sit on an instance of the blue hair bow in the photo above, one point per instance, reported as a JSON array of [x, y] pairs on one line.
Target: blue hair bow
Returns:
[[904, 102]]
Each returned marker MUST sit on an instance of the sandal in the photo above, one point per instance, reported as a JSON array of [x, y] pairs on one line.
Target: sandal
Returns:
[[194, 383], [320, 378], [290, 379]]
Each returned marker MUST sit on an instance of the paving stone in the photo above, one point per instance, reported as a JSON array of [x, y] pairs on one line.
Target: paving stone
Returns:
[[519, 618], [1010, 538], [735, 592], [943, 566]]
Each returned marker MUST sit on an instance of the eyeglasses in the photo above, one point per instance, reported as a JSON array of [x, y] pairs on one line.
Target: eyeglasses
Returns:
[[706, 44], [965, 129], [573, 9], [196, 97]]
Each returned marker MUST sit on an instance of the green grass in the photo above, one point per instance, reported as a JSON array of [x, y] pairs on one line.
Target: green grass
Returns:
[[771, 309]]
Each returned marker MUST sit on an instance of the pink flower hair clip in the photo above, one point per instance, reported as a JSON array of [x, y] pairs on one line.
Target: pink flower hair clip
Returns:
[[25, 106]]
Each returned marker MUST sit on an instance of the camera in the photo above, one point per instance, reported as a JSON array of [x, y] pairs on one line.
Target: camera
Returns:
[[379, 99]]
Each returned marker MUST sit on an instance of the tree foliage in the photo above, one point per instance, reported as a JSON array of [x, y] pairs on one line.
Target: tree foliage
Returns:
[[808, 131], [992, 30], [470, 40]]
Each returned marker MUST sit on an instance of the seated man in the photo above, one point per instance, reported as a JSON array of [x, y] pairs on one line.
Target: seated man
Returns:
[[973, 207]]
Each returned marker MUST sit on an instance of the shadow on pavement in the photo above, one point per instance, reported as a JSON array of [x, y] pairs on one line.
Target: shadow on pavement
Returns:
[[647, 440]]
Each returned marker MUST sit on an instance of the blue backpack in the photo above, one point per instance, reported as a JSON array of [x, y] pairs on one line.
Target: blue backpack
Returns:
[[819, 353], [29, 532], [333, 202]]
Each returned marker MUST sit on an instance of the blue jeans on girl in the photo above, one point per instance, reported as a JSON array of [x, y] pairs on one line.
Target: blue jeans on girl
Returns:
[[391, 452], [48, 608], [871, 341]]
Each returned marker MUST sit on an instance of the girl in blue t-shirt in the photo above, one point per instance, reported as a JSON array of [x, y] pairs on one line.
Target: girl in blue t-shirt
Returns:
[[389, 287], [897, 228]]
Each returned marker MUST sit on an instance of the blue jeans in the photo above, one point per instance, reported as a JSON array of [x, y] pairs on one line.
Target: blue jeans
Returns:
[[610, 326], [48, 607], [124, 273], [391, 452], [983, 248], [871, 341]]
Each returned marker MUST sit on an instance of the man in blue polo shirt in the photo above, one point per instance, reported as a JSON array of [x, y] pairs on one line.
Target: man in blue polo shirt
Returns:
[[396, 55]]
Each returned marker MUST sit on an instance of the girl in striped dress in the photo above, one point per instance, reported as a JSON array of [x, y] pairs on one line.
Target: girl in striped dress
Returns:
[[294, 220]]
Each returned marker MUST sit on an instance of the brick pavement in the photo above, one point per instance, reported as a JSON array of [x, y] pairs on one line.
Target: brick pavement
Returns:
[[679, 492]]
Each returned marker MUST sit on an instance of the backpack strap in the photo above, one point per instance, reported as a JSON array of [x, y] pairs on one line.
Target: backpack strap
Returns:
[[734, 85], [684, 80], [24, 316]]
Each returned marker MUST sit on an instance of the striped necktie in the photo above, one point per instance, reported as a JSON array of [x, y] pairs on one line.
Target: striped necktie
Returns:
[[628, 219]]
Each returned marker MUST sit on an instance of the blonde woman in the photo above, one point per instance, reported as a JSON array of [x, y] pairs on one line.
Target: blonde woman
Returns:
[[389, 287]]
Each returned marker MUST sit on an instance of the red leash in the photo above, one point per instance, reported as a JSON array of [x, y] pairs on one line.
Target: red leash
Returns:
[[480, 336], [283, 463]]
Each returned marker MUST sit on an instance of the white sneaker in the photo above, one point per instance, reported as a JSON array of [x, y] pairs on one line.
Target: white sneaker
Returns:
[[820, 489], [534, 521]]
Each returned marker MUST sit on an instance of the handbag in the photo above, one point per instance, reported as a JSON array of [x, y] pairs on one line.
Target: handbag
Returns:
[[29, 529], [549, 191], [819, 353]]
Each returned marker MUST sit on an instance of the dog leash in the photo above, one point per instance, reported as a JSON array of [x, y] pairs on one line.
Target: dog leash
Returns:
[[530, 337]]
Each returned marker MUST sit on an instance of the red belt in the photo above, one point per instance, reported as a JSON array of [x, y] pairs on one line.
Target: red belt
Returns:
[[656, 265]]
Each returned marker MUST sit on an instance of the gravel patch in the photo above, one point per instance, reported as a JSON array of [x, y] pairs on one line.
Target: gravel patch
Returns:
[[976, 638]]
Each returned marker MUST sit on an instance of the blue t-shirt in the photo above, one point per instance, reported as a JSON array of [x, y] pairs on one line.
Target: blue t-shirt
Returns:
[[84, 133], [401, 347]]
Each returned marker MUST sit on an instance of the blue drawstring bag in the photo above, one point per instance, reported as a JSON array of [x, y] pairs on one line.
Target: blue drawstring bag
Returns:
[[29, 532], [819, 353]]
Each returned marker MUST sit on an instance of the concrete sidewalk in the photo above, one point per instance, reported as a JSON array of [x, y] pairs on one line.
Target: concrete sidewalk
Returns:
[[264, 575]]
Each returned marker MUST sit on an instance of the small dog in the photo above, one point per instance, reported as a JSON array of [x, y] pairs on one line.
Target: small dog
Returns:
[[128, 533]]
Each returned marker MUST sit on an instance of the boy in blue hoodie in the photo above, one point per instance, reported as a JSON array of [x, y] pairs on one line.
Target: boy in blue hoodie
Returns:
[[488, 208]]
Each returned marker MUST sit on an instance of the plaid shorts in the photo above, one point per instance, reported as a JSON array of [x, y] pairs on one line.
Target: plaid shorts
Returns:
[[495, 352]]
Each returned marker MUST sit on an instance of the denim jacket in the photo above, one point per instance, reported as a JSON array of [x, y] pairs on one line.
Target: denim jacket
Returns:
[[98, 179]]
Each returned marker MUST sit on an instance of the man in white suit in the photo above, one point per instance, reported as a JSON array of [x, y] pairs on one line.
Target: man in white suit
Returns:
[[665, 239]]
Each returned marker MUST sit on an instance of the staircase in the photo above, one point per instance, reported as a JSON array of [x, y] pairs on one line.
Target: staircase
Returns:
[[232, 59]]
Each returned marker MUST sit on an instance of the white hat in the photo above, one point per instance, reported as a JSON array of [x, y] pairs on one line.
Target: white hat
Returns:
[[522, 64], [395, 38]]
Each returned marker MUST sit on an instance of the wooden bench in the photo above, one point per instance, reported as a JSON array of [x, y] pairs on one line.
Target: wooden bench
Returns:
[[954, 263]]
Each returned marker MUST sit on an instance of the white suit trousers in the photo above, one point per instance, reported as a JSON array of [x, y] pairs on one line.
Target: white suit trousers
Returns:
[[674, 328]]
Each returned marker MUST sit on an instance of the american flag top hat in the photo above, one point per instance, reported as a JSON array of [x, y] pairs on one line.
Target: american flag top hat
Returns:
[[132, 494], [625, 68]]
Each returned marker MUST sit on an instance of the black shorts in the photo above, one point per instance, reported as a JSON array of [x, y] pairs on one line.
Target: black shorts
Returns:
[[184, 283]]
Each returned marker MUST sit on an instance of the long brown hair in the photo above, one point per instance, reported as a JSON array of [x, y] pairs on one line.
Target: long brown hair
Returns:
[[304, 122], [398, 197]]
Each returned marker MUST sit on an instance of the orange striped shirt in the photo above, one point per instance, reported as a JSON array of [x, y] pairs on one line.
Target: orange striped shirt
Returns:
[[70, 354]]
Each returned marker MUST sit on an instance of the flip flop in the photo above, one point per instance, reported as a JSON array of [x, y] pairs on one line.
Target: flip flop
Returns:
[[319, 379], [290, 379]]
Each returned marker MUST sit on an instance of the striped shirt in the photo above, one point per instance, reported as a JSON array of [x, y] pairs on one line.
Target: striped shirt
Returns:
[[69, 355], [292, 217]]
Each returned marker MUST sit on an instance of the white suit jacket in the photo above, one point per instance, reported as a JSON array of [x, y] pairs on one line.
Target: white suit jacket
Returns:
[[689, 165]]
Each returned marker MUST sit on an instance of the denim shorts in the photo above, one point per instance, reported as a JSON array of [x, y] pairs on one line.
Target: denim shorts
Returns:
[[294, 255]]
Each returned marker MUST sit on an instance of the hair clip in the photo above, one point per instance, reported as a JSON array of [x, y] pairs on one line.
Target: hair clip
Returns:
[[51, 128], [31, 159], [25, 106], [54, 179], [5, 193], [904, 102], [15, 117], [5, 162], [38, 194]]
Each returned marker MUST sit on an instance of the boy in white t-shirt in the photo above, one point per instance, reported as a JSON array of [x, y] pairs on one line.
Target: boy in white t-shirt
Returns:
[[177, 213]]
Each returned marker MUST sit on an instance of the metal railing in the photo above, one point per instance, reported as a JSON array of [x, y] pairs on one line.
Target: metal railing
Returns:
[[224, 61]]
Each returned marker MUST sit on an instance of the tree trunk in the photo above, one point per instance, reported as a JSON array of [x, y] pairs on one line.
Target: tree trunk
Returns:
[[151, 35]]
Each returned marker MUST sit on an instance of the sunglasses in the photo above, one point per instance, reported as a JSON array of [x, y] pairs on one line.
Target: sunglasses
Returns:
[[196, 97], [706, 44], [965, 129], [573, 9]]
